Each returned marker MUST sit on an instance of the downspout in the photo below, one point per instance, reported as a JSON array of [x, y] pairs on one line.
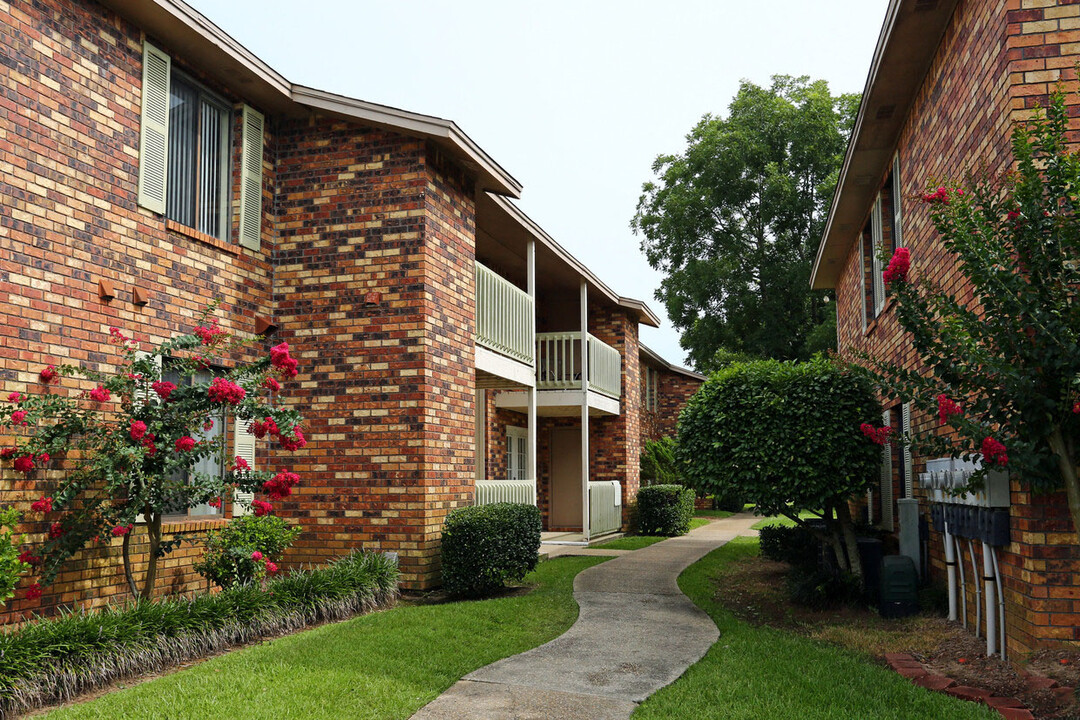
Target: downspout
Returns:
[[950, 567], [978, 591], [991, 621], [963, 581], [586, 514], [1001, 603]]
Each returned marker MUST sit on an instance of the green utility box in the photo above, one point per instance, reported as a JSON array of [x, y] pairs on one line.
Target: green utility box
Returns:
[[899, 595]]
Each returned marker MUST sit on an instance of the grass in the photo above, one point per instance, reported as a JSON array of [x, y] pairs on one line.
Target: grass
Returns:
[[759, 673], [782, 520], [382, 666], [716, 514], [636, 542]]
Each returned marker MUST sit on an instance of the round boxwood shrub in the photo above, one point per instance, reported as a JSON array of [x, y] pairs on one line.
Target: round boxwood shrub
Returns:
[[485, 546], [665, 509]]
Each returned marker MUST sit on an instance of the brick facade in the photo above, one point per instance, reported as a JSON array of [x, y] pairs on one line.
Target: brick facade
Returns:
[[674, 390], [996, 61]]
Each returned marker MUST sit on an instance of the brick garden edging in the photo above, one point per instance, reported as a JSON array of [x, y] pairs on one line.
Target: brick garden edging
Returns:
[[1009, 708]]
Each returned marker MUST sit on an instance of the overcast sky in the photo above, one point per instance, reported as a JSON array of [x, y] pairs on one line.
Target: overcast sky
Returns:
[[574, 99]]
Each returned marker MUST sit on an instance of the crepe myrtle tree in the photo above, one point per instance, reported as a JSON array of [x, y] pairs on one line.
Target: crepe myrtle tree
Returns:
[[1001, 367], [128, 448], [786, 436]]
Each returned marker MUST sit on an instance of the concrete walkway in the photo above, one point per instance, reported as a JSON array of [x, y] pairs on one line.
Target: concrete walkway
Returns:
[[636, 632]]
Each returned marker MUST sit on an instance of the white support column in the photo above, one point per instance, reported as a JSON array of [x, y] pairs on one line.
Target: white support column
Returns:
[[530, 458], [585, 529], [481, 434]]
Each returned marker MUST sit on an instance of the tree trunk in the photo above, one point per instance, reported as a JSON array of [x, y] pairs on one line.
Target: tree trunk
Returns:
[[129, 574], [843, 513], [153, 531], [1068, 474]]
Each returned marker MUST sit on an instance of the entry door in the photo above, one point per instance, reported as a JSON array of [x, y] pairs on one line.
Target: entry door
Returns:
[[565, 478]]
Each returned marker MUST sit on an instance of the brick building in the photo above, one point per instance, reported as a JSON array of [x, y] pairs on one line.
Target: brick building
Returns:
[[149, 163], [947, 81], [665, 390]]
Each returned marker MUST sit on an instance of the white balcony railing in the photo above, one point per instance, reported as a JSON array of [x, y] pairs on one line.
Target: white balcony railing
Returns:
[[605, 507], [504, 316], [514, 491], [558, 364]]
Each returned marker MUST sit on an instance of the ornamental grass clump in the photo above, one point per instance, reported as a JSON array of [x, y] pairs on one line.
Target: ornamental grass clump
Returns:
[[114, 452], [53, 660]]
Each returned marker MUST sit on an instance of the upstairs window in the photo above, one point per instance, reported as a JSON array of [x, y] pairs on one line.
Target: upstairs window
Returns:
[[198, 164], [652, 387], [880, 237]]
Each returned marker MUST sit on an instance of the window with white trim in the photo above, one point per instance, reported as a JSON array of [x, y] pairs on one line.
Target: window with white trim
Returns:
[[652, 388], [517, 452], [185, 154]]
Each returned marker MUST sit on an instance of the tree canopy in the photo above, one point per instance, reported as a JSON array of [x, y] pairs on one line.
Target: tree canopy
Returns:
[[734, 220]]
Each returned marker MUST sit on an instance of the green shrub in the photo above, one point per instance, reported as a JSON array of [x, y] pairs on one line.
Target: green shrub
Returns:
[[665, 509], [793, 545], [12, 566], [731, 501], [485, 546], [660, 464], [53, 659], [228, 560]]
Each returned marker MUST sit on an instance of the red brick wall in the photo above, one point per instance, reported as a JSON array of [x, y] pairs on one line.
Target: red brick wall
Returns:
[[70, 91], [998, 59], [673, 392]]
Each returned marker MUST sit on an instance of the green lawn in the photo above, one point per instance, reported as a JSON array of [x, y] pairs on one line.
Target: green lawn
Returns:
[[383, 665], [782, 520], [757, 673], [636, 542], [716, 514]]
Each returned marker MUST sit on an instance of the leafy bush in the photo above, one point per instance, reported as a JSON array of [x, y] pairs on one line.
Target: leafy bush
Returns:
[[818, 588], [660, 464], [665, 509], [53, 660], [12, 563], [228, 559], [732, 501], [793, 545], [485, 546]]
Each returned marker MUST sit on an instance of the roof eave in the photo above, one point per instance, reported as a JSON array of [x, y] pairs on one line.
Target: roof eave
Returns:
[[905, 50]]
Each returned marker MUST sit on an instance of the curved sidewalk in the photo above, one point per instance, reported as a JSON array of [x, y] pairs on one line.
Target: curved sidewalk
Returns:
[[636, 632]]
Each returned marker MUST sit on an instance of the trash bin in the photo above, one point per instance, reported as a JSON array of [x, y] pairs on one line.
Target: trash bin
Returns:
[[899, 587]]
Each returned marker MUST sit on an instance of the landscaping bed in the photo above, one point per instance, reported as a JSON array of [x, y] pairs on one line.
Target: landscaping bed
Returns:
[[753, 589]]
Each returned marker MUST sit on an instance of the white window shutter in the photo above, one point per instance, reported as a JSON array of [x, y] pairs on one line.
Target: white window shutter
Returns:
[[876, 234], [896, 202], [243, 446], [909, 471], [251, 157], [862, 278], [886, 479], [154, 129]]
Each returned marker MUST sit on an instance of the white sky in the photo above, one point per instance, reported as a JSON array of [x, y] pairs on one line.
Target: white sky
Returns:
[[574, 99]]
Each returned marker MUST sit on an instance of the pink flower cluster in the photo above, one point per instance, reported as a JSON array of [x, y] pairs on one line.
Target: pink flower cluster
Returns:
[[148, 443], [185, 444], [137, 429], [100, 394], [260, 429], [898, 268], [940, 196], [24, 464], [121, 530], [163, 389], [48, 374], [293, 443], [271, 567], [14, 397], [282, 361], [271, 384], [29, 558], [993, 452], [209, 335], [240, 463], [19, 418], [225, 391], [946, 408], [43, 505], [280, 486], [877, 435], [33, 592], [261, 507]]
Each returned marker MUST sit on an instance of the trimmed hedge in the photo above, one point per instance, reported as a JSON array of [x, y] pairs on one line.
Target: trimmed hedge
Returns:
[[665, 510], [485, 546], [52, 660], [793, 545]]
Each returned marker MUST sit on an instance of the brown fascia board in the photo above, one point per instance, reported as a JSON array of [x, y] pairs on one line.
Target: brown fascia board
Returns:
[[655, 357], [909, 39], [203, 43], [645, 315]]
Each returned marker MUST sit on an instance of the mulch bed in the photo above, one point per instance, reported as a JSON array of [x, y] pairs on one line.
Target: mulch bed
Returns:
[[754, 590]]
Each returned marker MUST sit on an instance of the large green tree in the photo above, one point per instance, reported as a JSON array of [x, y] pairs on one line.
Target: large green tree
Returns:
[[734, 220]]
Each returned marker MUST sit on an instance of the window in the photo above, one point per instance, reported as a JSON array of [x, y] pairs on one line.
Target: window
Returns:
[[880, 237], [652, 383], [517, 452], [198, 164], [208, 465], [184, 154]]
